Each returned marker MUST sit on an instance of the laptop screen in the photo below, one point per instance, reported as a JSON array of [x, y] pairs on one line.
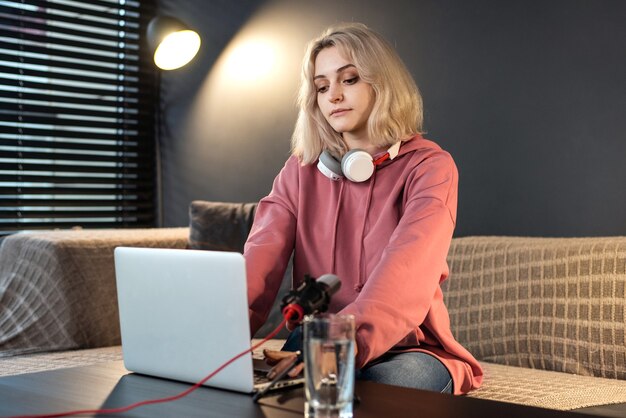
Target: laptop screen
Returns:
[[183, 313]]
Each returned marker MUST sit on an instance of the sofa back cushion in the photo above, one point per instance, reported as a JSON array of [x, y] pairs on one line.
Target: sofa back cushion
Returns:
[[546, 303], [219, 226]]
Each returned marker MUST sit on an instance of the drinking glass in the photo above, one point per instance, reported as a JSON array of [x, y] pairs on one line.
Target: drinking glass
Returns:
[[329, 365]]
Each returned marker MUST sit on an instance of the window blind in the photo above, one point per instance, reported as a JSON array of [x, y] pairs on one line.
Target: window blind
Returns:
[[77, 115]]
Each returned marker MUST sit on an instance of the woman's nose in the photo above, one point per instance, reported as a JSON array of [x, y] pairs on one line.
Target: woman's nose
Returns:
[[335, 93]]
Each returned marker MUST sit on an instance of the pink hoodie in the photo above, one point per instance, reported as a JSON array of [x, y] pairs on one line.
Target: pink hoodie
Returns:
[[386, 238]]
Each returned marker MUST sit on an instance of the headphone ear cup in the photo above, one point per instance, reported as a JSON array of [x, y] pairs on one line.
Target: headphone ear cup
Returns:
[[357, 165], [329, 166]]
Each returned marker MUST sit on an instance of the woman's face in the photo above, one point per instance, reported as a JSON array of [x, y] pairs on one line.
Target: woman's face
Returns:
[[344, 99]]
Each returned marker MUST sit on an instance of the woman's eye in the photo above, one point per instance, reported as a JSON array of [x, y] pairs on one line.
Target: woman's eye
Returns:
[[352, 80], [322, 89]]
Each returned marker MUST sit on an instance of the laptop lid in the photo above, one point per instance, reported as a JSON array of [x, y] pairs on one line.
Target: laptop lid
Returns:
[[184, 313]]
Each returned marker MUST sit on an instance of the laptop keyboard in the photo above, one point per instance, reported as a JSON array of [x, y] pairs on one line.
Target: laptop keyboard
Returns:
[[260, 378]]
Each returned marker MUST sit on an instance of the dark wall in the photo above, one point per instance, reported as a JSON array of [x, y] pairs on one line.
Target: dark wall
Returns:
[[529, 96]]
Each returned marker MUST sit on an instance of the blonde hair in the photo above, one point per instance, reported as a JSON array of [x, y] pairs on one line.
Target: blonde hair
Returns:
[[397, 113]]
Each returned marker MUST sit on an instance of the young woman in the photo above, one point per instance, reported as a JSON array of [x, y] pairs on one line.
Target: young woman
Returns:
[[366, 197]]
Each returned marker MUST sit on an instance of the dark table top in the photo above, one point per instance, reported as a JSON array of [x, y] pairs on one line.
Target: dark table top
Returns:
[[110, 385]]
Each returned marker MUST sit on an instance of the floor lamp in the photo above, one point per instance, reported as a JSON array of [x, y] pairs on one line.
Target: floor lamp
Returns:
[[173, 45]]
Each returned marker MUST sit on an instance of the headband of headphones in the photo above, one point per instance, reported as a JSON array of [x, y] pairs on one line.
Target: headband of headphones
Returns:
[[356, 165]]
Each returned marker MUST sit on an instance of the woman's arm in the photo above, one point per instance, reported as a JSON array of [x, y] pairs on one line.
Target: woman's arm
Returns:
[[270, 243]]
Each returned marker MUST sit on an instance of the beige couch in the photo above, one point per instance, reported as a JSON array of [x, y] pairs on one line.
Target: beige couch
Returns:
[[545, 316]]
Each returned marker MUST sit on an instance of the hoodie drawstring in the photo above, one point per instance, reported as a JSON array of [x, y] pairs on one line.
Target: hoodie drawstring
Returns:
[[334, 243], [362, 267]]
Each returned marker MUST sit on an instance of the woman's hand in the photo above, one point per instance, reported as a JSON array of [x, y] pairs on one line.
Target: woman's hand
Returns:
[[282, 360]]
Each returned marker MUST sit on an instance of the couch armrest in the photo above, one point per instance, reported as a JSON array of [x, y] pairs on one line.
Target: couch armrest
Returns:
[[546, 303], [57, 288]]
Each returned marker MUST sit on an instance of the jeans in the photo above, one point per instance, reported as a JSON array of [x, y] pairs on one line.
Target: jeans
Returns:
[[415, 370]]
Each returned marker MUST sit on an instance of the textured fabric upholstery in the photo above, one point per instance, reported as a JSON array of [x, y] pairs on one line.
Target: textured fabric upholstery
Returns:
[[57, 288], [545, 303]]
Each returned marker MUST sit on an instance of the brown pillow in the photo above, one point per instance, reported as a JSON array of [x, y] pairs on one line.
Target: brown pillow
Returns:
[[219, 226]]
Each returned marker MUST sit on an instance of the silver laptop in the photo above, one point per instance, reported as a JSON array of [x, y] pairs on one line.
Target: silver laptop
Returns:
[[184, 313]]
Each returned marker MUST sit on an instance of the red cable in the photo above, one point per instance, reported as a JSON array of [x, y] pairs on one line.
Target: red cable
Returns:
[[381, 159], [286, 314]]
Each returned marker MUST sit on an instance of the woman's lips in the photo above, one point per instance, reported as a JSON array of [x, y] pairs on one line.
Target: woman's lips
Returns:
[[338, 112]]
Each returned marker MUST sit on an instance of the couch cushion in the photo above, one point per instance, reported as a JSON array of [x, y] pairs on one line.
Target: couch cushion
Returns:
[[502, 383], [219, 226], [57, 288], [545, 303]]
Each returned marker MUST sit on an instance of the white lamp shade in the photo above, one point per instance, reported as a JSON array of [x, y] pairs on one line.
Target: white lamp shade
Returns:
[[173, 43], [177, 49]]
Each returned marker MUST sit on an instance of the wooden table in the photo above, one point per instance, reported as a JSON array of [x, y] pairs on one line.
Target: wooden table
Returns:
[[110, 385]]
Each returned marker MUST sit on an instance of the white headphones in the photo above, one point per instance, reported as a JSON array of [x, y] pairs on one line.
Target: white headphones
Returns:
[[356, 165]]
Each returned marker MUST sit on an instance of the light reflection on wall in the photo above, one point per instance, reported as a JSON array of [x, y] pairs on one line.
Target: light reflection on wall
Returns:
[[239, 125], [253, 81], [251, 59], [246, 105]]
